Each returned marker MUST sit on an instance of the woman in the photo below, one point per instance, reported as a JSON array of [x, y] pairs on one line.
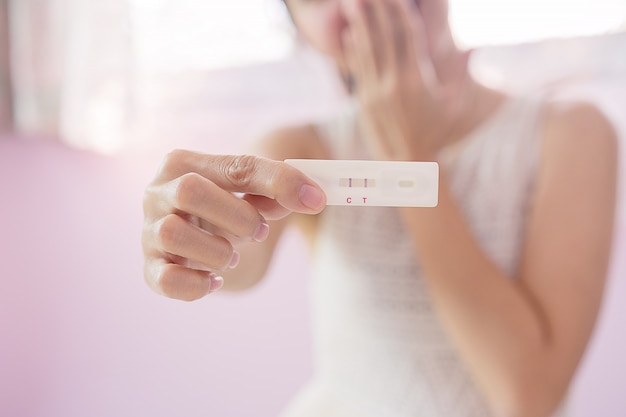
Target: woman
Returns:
[[481, 306]]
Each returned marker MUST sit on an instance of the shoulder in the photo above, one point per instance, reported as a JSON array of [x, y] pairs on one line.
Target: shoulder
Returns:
[[577, 132], [579, 163], [298, 141]]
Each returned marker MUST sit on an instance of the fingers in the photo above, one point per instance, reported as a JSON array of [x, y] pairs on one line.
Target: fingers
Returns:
[[371, 29], [193, 217], [248, 174], [225, 213], [175, 236], [362, 44], [179, 258], [377, 39], [417, 59], [385, 37], [268, 208], [405, 14], [404, 36], [383, 29], [176, 281]]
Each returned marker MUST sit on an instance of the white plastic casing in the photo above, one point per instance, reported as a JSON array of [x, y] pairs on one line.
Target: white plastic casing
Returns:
[[374, 183]]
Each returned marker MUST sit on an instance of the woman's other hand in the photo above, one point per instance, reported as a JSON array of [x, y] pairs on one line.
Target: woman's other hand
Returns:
[[407, 110]]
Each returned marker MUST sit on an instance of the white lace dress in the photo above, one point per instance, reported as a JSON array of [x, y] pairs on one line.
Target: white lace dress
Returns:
[[380, 350]]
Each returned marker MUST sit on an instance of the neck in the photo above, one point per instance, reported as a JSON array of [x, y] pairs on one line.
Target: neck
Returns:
[[477, 103], [473, 101]]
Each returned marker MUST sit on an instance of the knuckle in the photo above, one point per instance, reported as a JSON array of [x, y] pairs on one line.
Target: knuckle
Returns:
[[219, 252], [175, 157], [169, 232], [149, 197], [187, 190], [147, 240], [240, 169], [172, 285], [223, 253], [371, 101], [172, 163], [366, 98], [390, 87], [150, 278], [167, 284], [245, 217]]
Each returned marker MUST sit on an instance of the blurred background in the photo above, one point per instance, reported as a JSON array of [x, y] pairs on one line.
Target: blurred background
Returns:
[[94, 93]]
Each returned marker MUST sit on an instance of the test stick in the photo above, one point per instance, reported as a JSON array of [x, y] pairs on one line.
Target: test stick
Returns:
[[374, 183]]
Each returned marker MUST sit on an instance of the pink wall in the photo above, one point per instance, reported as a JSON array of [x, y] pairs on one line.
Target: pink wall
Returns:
[[80, 333]]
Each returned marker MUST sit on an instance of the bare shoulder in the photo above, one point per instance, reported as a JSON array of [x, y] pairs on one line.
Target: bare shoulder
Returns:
[[579, 132], [300, 141], [577, 183]]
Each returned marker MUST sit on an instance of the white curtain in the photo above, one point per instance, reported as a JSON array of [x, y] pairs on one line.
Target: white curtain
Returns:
[[6, 118], [70, 70], [96, 73], [75, 70]]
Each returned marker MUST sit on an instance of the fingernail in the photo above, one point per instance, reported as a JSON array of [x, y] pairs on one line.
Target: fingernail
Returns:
[[217, 283], [311, 197], [261, 232], [234, 261]]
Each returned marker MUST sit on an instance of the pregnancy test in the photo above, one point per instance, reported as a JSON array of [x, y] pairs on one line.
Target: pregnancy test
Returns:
[[374, 183]]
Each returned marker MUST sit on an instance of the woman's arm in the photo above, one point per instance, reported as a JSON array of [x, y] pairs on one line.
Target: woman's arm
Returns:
[[523, 336]]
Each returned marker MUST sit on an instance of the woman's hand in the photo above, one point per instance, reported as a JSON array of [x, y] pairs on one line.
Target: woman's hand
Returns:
[[407, 112], [194, 221]]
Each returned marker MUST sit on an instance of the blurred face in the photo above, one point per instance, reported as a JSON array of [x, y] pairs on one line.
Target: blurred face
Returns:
[[321, 23]]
